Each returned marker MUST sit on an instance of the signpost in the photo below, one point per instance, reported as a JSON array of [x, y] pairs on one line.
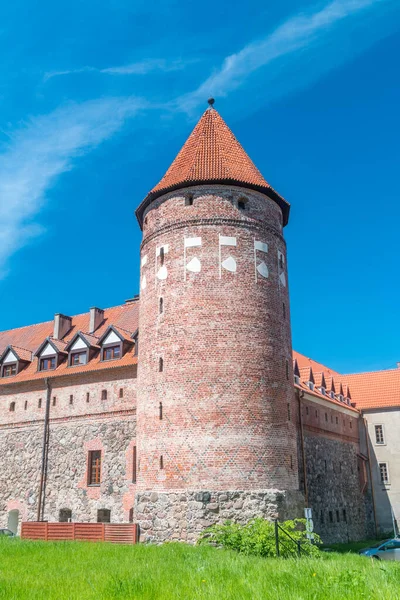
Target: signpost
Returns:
[[309, 523]]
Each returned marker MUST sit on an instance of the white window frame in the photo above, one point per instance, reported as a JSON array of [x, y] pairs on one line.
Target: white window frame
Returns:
[[383, 443], [387, 473]]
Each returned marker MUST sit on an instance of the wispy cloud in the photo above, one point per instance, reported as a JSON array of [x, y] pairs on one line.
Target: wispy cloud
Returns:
[[296, 33], [43, 149], [143, 67]]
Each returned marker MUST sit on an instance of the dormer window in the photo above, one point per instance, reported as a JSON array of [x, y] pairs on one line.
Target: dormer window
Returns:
[[9, 370], [323, 391], [112, 352], [297, 379], [48, 363], [341, 397], [332, 395], [78, 358], [311, 385]]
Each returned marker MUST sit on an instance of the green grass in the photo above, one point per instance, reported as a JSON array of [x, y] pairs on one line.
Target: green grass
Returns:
[[352, 546], [61, 571]]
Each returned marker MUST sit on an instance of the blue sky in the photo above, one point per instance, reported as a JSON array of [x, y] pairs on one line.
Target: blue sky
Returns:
[[97, 98]]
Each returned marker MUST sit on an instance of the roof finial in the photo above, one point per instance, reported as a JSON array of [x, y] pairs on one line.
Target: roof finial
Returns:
[[211, 102]]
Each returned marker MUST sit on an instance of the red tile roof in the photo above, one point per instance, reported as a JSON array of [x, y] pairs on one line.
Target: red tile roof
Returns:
[[125, 318], [212, 154], [377, 389]]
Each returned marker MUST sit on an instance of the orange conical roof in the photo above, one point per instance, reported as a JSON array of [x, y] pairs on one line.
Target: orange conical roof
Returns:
[[212, 154]]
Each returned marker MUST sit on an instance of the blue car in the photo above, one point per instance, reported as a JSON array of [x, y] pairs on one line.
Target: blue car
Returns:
[[385, 550]]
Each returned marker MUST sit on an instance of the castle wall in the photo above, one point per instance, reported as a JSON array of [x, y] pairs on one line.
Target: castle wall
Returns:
[[75, 429], [337, 484]]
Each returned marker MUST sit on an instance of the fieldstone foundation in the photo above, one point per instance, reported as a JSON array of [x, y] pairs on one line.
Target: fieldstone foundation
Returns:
[[183, 515]]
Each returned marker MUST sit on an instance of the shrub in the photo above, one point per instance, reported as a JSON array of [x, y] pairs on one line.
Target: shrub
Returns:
[[257, 538]]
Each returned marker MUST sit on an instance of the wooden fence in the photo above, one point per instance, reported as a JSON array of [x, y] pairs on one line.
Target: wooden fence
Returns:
[[124, 533]]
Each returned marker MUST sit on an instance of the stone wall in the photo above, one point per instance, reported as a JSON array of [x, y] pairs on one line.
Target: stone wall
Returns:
[[66, 485], [183, 515], [341, 511]]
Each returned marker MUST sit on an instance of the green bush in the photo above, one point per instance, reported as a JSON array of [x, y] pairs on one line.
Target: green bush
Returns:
[[257, 538]]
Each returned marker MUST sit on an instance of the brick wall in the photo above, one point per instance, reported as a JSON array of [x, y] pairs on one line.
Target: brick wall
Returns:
[[224, 341]]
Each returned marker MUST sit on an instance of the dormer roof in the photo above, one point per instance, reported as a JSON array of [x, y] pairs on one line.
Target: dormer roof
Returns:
[[212, 154], [19, 353], [58, 346], [91, 341], [122, 334]]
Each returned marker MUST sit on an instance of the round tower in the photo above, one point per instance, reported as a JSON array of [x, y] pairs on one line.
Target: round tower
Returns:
[[216, 433]]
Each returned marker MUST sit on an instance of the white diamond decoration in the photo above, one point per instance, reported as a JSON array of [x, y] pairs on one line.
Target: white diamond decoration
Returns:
[[229, 264], [263, 270], [162, 273], [282, 278], [144, 282], [194, 265]]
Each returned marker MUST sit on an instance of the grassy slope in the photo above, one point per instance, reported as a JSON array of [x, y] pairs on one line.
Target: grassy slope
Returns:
[[101, 571]]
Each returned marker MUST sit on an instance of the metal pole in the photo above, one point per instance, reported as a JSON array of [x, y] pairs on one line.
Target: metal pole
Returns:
[[45, 441], [277, 538]]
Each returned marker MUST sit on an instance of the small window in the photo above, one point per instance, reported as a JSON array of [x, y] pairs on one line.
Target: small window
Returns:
[[104, 515], [112, 352], [104, 394], [288, 411], [284, 310], [326, 417], [322, 517], [307, 411], [311, 385], [78, 358], [134, 463], [26, 404], [160, 365], [161, 462], [281, 261], [326, 465], [12, 407], [162, 255], [330, 516], [242, 203], [40, 403], [323, 391], [189, 201], [161, 306], [338, 516], [94, 467], [87, 397], [331, 418], [344, 515], [160, 408], [121, 392], [54, 400], [287, 369], [351, 424], [379, 434], [297, 379], [65, 515], [291, 461], [337, 421], [71, 399], [47, 364], [384, 472], [10, 370], [333, 395]]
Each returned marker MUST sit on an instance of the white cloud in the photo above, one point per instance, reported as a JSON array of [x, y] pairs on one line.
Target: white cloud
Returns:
[[138, 68], [43, 149], [296, 33]]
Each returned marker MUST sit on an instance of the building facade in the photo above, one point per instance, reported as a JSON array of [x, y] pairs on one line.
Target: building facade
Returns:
[[185, 406]]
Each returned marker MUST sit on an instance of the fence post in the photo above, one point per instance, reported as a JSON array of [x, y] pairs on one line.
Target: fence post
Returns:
[[277, 537]]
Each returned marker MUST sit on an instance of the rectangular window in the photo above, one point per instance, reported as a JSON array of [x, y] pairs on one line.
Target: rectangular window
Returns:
[[94, 470], [112, 352], [10, 370], [134, 464], [384, 472], [78, 358], [121, 392], [104, 394], [379, 434], [71, 399], [47, 364]]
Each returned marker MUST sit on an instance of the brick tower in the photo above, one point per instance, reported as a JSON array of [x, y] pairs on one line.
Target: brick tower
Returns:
[[216, 437]]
